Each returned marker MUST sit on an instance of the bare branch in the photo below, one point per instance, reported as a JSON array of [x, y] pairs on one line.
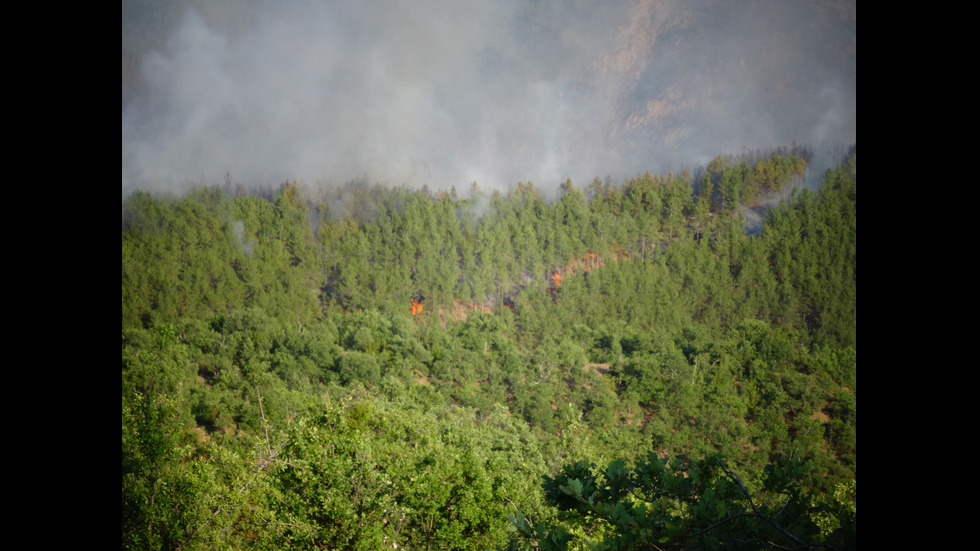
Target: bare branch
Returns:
[[265, 425]]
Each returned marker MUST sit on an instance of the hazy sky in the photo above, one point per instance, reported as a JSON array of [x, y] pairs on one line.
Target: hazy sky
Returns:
[[443, 93]]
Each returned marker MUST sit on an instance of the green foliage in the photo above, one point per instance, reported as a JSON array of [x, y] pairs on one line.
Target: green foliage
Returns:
[[328, 492], [660, 504], [374, 473], [279, 390]]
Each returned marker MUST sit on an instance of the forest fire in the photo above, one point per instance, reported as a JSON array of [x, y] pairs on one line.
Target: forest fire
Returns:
[[519, 343]]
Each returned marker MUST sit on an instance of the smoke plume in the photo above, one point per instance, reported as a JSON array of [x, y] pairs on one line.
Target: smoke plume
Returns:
[[446, 93]]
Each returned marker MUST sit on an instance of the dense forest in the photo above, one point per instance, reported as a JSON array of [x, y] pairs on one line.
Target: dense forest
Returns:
[[607, 366]]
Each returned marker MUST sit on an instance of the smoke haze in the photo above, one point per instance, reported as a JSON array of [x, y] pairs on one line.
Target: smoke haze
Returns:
[[447, 93]]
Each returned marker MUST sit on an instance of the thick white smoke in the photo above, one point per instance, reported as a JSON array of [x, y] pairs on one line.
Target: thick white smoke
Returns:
[[447, 93]]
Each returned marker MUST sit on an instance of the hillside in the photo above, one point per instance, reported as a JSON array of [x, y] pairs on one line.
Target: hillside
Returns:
[[364, 366]]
